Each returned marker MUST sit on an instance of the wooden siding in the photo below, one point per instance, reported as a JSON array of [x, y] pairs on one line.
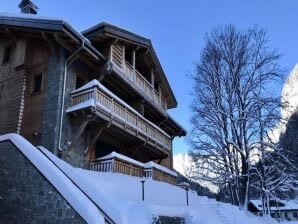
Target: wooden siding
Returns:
[[34, 102], [20, 110], [12, 83]]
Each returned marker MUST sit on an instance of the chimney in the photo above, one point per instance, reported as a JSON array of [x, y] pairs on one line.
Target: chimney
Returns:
[[28, 7]]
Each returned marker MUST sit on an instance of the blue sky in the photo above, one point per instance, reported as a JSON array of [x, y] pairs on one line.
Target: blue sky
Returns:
[[177, 30]]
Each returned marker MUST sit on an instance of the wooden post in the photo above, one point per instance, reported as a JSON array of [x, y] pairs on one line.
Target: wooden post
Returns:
[[152, 78], [111, 53], [123, 58], [78, 134], [159, 90], [134, 59]]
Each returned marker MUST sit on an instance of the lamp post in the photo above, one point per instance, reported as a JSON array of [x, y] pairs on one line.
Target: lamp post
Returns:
[[185, 186], [186, 189], [143, 189]]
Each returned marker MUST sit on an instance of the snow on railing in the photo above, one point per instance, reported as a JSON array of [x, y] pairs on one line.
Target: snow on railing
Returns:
[[94, 93], [118, 163]]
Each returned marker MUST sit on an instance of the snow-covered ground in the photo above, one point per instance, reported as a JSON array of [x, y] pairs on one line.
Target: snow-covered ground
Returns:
[[120, 196]]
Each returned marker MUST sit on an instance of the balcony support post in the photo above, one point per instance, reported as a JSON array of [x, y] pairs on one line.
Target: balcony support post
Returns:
[[159, 90], [111, 53], [152, 78], [123, 58], [134, 59], [78, 134]]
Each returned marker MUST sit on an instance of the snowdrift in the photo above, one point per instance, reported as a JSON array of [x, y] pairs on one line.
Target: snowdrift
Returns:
[[120, 196]]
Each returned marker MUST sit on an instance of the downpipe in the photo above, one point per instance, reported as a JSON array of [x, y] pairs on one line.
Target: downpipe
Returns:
[[63, 94]]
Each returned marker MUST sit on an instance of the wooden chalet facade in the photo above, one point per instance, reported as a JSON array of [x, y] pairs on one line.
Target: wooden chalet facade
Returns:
[[85, 95]]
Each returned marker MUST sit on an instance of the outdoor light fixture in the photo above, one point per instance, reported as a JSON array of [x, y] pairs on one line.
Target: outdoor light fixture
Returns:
[[143, 192], [185, 186]]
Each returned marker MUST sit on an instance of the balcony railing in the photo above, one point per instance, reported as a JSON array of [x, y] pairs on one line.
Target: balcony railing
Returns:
[[103, 99], [130, 73], [117, 163]]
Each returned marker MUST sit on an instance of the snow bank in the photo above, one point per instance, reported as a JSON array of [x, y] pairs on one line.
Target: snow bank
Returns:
[[148, 165], [121, 198], [87, 210]]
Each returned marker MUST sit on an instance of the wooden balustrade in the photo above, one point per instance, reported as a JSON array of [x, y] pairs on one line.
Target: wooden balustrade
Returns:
[[136, 77], [116, 165], [126, 114]]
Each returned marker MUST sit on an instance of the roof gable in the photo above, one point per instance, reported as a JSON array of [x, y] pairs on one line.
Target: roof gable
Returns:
[[107, 30]]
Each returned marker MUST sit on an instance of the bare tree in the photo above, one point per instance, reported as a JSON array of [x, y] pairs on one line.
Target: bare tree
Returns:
[[233, 100]]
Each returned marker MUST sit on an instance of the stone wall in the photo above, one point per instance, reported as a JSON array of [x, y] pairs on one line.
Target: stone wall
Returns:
[[52, 102], [26, 196]]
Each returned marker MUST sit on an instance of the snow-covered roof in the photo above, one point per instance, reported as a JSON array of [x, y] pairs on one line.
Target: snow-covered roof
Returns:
[[28, 16], [148, 165], [283, 205], [38, 22], [85, 104], [73, 195], [113, 155]]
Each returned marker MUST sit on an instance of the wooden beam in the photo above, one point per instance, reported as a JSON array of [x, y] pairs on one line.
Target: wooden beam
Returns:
[[52, 44], [134, 59], [136, 148], [123, 57], [152, 78], [11, 35], [64, 43], [78, 134], [98, 133]]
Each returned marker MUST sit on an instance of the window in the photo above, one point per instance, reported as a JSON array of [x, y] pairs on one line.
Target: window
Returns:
[[7, 54], [37, 83], [295, 214], [79, 82]]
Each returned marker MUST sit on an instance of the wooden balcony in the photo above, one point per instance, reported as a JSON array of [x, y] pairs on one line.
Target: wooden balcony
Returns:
[[111, 108], [129, 73], [117, 163]]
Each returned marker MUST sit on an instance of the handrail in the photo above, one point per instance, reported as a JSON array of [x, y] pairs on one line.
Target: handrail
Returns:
[[137, 78]]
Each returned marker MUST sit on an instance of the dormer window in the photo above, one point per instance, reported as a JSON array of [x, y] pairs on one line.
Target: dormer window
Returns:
[[7, 54]]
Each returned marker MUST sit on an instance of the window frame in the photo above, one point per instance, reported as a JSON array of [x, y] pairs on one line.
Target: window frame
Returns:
[[33, 92], [6, 59]]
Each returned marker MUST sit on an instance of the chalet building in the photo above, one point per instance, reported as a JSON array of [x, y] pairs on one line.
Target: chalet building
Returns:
[[86, 95], [280, 210]]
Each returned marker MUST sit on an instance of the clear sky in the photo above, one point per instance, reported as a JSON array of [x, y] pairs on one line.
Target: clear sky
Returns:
[[177, 30]]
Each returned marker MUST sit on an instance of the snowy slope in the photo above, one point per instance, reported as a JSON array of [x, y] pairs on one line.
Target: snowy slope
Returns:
[[71, 193], [120, 196]]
